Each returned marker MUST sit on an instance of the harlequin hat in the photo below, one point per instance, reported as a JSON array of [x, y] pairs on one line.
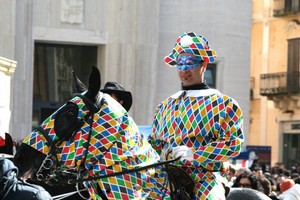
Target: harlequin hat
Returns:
[[117, 88], [190, 42]]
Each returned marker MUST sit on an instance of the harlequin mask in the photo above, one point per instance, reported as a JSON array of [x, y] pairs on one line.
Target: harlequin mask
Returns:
[[187, 62]]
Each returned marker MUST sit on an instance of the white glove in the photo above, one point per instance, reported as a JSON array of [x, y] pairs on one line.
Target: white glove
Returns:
[[184, 152]]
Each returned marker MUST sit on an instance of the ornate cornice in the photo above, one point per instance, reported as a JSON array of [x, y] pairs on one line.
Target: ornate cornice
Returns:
[[286, 102], [7, 66]]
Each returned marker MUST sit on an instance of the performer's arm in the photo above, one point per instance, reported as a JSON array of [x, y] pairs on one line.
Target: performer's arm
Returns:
[[229, 139]]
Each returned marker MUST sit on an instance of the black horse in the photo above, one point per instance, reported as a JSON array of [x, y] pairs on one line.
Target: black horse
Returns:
[[88, 138], [92, 143]]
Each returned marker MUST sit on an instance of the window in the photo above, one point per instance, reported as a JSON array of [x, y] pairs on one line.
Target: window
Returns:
[[210, 75], [293, 66], [53, 79], [291, 5], [293, 55], [291, 152]]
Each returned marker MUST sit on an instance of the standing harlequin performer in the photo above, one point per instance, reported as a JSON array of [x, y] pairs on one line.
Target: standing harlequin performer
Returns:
[[198, 123]]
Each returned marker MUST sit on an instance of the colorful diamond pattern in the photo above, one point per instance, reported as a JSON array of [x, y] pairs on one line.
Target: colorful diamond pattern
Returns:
[[115, 145], [212, 125], [198, 47]]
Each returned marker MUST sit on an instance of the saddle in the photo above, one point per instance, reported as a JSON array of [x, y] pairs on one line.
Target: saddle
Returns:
[[181, 184]]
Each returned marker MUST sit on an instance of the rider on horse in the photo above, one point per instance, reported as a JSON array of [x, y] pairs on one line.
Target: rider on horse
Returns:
[[198, 123]]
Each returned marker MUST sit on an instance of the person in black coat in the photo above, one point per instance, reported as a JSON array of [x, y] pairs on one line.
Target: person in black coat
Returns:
[[11, 188]]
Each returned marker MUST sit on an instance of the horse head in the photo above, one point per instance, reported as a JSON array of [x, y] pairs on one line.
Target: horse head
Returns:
[[90, 135]]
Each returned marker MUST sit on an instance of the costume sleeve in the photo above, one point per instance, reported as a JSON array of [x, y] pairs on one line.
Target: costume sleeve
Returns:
[[153, 138], [229, 138]]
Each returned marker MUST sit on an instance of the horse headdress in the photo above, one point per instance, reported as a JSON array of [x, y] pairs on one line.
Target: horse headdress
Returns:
[[91, 135]]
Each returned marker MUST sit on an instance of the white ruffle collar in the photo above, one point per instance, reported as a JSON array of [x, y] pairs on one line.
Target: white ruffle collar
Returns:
[[196, 93]]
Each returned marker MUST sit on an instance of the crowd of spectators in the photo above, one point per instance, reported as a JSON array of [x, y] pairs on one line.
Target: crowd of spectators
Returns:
[[278, 182]]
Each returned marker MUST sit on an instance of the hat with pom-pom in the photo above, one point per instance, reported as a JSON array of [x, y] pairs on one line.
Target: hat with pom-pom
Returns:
[[190, 42]]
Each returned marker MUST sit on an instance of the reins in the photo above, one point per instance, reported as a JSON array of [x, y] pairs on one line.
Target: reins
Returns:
[[65, 195], [91, 178]]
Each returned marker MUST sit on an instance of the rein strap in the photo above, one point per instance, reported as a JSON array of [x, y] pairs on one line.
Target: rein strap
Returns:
[[91, 178]]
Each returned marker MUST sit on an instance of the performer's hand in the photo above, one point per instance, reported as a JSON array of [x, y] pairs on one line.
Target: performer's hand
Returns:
[[184, 152]]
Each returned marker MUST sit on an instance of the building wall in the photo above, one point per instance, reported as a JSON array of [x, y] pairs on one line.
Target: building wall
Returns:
[[259, 65], [116, 27], [263, 127], [230, 38], [7, 31], [132, 36], [269, 55]]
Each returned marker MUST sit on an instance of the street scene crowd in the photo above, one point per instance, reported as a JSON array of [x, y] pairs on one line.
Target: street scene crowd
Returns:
[[277, 182], [198, 126]]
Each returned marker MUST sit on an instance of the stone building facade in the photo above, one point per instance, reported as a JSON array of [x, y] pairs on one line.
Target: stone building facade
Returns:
[[131, 38]]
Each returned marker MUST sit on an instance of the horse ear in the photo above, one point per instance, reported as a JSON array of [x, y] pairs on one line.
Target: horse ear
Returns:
[[94, 83], [80, 87]]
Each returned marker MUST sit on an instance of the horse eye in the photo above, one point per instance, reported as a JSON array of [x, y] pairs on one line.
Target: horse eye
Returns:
[[70, 114]]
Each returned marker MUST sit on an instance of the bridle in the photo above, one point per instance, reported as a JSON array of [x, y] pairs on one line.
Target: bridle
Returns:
[[50, 170]]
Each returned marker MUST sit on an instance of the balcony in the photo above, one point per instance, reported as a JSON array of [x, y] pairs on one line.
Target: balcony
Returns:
[[283, 88], [280, 83], [286, 7]]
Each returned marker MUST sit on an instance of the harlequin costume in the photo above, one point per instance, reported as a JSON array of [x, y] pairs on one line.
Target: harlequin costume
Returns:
[[203, 119], [115, 145]]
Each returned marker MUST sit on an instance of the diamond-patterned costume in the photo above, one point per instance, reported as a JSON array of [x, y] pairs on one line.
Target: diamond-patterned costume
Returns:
[[208, 122], [115, 145]]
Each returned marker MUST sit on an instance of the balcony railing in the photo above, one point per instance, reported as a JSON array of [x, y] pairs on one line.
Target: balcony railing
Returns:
[[280, 83], [286, 7]]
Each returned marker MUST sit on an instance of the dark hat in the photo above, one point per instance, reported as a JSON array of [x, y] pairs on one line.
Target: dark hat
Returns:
[[117, 88]]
